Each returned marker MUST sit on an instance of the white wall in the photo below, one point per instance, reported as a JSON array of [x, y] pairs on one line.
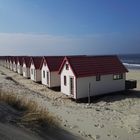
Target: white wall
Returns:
[[11, 66], [6, 64], [44, 79], [32, 72], [14, 67], [55, 79], [105, 85], [68, 74], [19, 68], [26, 71], [36, 75]]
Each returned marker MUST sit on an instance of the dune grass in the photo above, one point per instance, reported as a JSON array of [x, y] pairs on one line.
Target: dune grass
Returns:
[[33, 114]]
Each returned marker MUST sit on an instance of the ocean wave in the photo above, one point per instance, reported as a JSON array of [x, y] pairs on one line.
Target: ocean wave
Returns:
[[132, 65]]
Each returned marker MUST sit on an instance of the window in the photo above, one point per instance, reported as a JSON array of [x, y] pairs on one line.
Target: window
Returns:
[[117, 76], [43, 74], [98, 78], [31, 71], [65, 81], [67, 66]]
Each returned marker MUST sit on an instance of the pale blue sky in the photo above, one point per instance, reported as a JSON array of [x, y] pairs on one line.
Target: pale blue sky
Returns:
[[61, 27]]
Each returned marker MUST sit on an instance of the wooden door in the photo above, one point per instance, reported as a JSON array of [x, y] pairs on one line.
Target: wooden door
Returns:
[[72, 85]]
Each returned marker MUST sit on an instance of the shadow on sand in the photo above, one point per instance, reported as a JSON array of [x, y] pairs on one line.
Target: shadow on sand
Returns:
[[112, 97], [56, 133], [12, 117]]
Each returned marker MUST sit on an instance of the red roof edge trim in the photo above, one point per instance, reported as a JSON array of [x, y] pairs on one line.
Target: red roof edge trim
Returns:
[[63, 62], [62, 65], [44, 61], [31, 62], [122, 64]]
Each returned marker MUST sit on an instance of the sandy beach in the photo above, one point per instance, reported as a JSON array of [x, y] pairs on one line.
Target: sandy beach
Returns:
[[111, 117]]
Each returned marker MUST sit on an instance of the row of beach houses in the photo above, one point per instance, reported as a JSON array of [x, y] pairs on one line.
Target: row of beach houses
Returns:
[[77, 76]]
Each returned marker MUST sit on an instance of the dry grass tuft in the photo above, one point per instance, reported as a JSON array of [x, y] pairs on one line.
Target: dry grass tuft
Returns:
[[2, 73], [11, 79], [33, 114]]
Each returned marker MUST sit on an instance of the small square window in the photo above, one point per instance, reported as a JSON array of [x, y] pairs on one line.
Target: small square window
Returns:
[[98, 78], [67, 66]]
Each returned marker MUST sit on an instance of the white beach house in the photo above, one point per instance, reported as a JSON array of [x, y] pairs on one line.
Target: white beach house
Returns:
[[35, 70], [2, 60], [49, 70], [15, 63], [92, 75], [26, 67], [20, 65], [11, 63], [8, 62]]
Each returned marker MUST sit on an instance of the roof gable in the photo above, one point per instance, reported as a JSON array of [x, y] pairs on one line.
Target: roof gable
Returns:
[[20, 60], [53, 62], [94, 65], [27, 61], [36, 61]]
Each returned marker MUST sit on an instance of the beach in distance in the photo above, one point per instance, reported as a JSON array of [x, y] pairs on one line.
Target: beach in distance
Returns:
[[111, 117]]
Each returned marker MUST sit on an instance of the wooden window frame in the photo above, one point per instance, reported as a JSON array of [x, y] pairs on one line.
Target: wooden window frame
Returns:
[[117, 76]]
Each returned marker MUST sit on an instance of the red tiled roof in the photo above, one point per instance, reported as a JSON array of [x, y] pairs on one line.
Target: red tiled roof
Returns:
[[53, 62], [14, 59], [36, 60], [27, 61], [20, 60], [94, 65]]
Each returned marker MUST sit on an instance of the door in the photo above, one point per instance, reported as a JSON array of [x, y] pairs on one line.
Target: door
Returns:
[[47, 77], [72, 85]]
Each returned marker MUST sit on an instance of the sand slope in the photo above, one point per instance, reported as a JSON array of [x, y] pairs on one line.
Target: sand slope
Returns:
[[110, 117]]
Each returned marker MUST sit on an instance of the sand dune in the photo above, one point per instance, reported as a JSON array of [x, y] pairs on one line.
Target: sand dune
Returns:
[[110, 117]]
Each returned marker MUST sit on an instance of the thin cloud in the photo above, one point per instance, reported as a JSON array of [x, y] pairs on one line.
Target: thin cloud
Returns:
[[44, 44]]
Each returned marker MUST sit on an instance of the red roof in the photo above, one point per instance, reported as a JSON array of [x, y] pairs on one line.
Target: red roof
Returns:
[[53, 62], [20, 60], [27, 61], [36, 60], [15, 59], [94, 65]]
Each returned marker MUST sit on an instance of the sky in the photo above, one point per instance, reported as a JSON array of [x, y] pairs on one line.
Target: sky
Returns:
[[69, 27]]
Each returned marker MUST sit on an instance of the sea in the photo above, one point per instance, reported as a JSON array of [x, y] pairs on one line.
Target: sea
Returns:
[[131, 61]]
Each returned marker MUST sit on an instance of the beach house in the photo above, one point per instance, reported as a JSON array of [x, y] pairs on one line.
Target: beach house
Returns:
[[35, 70], [2, 60], [49, 70], [26, 66], [20, 64], [11, 63], [15, 63], [8, 62], [82, 77]]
